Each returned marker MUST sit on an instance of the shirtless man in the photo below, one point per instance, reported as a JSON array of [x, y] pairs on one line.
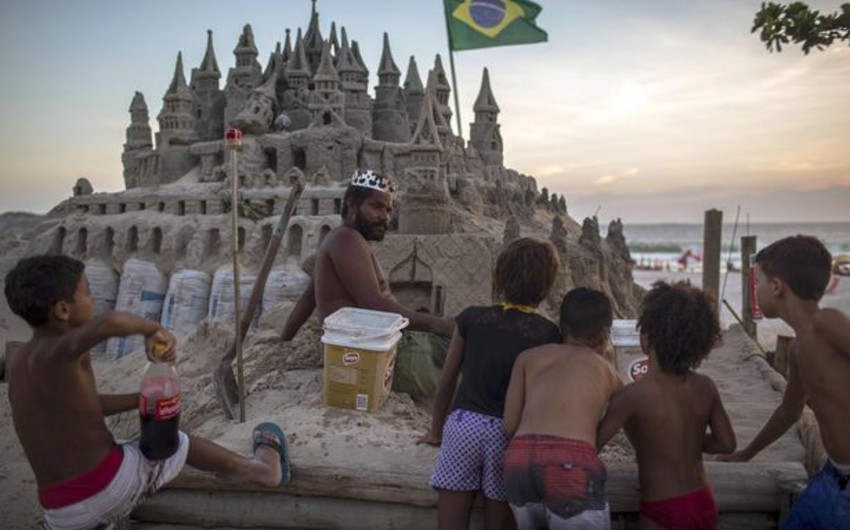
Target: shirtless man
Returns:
[[555, 399], [791, 275], [346, 273], [85, 479], [673, 415]]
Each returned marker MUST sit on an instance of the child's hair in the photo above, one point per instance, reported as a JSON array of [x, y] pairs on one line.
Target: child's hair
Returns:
[[38, 282], [526, 271], [680, 323], [586, 314], [800, 261]]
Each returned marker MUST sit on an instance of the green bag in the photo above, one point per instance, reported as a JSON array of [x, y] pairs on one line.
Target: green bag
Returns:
[[419, 363]]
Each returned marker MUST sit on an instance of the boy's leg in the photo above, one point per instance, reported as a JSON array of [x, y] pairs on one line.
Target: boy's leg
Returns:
[[263, 469], [453, 509], [498, 515]]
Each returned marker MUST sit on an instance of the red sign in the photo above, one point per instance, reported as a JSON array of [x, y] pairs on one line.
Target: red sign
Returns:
[[638, 369], [233, 137], [754, 303]]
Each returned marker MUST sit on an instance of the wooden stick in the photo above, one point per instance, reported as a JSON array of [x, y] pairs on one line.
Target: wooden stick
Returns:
[[754, 339], [227, 389]]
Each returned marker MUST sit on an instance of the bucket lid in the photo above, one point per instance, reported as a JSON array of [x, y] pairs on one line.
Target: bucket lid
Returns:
[[358, 322], [377, 344]]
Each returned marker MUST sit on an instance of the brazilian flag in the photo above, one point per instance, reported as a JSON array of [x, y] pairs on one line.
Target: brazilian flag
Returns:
[[483, 23]]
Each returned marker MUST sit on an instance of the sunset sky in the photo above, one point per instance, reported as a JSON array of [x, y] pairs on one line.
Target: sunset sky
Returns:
[[650, 111]]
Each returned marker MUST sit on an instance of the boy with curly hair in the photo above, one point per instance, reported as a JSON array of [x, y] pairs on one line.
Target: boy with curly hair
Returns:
[[666, 413], [791, 276], [85, 479]]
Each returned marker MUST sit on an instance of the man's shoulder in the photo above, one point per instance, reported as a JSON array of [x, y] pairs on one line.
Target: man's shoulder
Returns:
[[829, 320]]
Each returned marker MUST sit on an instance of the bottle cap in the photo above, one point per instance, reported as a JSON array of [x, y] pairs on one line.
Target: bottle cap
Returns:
[[159, 348]]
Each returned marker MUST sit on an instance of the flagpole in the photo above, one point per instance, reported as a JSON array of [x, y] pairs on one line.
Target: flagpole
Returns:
[[452, 64]]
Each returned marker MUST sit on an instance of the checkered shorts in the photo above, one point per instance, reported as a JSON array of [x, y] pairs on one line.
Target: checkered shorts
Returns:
[[471, 455]]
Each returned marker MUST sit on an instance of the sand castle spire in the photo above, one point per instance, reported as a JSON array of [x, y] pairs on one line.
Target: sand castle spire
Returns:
[[298, 69], [442, 90], [414, 92], [209, 64], [485, 135], [388, 72], [287, 47], [327, 102], [313, 41], [334, 42], [139, 131], [176, 121]]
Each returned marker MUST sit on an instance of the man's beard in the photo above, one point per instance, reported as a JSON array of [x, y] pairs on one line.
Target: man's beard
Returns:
[[370, 231]]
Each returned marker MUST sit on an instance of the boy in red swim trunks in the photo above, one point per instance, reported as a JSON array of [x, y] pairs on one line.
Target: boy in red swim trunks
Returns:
[[86, 480], [558, 392], [665, 414]]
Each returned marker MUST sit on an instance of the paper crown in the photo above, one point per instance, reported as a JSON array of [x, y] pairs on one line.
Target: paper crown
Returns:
[[366, 178]]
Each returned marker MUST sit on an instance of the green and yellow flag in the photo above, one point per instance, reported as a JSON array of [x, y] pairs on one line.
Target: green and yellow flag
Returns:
[[483, 23]]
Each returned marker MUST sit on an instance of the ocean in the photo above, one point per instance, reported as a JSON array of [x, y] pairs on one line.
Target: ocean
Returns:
[[660, 244], [656, 248]]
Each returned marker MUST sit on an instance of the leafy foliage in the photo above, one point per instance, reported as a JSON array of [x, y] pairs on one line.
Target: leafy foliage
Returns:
[[797, 23]]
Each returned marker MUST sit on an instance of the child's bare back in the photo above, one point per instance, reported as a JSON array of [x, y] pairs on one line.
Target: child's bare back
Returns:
[[56, 411], [668, 418], [822, 359], [566, 390]]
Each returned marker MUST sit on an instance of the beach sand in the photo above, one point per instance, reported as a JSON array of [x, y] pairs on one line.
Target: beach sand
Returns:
[[284, 385]]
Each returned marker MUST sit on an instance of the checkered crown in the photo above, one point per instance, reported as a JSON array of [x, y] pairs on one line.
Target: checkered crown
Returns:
[[366, 178]]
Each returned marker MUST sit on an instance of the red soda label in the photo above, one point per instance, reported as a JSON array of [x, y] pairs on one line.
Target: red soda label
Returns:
[[162, 409]]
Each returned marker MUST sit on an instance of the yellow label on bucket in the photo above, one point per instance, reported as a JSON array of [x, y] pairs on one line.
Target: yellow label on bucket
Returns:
[[357, 378]]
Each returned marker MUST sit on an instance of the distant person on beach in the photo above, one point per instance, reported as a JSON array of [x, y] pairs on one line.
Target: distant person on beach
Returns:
[[85, 479], [557, 393], [346, 274], [484, 346], [791, 276], [666, 414]]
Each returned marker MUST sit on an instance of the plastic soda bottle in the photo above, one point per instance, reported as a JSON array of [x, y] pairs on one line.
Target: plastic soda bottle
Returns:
[[159, 409]]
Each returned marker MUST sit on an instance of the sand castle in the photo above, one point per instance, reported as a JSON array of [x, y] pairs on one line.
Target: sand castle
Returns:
[[308, 112]]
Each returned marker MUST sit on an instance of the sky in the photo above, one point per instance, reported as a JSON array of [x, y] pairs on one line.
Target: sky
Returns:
[[650, 111]]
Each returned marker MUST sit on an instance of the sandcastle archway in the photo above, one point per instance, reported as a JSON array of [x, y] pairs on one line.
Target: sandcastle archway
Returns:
[[412, 284]]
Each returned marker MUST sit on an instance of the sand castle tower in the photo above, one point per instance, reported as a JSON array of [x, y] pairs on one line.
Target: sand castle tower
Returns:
[[390, 121], [139, 144], [176, 128], [298, 75], [484, 133], [209, 99], [313, 42], [414, 93], [426, 200], [354, 85], [326, 103], [443, 91], [244, 77]]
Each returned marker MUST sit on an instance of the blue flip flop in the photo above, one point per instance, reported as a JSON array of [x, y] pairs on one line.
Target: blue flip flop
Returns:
[[261, 437]]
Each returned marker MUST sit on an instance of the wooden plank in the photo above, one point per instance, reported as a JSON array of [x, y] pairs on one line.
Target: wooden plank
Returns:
[[324, 497]]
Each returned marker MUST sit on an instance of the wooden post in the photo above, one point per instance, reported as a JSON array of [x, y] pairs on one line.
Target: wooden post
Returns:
[[748, 252], [784, 347], [711, 236]]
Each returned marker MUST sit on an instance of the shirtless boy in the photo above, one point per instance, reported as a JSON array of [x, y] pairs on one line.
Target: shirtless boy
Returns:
[[85, 479], [556, 396], [791, 275], [666, 414]]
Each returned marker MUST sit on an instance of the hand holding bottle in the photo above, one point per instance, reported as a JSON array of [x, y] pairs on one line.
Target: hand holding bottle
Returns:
[[159, 347]]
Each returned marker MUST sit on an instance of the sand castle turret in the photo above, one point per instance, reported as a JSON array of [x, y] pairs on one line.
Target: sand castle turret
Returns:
[[313, 42], [353, 83], [443, 91], [484, 133], [390, 121], [414, 92], [209, 101], [244, 77], [327, 103]]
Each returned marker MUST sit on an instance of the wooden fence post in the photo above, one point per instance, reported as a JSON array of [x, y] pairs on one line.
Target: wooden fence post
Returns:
[[748, 252], [711, 237], [784, 347]]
